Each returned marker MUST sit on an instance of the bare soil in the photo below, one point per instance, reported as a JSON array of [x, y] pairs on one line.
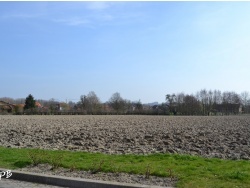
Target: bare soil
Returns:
[[225, 137]]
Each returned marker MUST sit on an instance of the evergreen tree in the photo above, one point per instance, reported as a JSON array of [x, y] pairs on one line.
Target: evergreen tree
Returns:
[[29, 102]]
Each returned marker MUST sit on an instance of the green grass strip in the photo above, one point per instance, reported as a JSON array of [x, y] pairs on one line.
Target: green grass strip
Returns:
[[191, 171]]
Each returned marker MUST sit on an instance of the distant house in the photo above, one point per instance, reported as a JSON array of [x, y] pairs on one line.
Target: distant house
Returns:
[[38, 105], [7, 107], [20, 107]]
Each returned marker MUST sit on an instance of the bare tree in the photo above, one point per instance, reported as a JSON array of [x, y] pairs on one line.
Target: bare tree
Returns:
[[217, 98], [216, 101], [204, 99], [171, 102], [180, 102], [91, 103], [230, 102], [138, 106], [117, 103], [245, 99], [191, 105]]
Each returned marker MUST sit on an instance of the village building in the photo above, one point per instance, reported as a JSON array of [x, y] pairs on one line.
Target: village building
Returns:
[[6, 107]]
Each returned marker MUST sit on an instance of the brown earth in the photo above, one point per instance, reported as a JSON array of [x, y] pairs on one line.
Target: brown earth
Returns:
[[217, 136]]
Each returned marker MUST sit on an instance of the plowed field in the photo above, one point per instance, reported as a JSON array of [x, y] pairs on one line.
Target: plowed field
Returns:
[[220, 136]]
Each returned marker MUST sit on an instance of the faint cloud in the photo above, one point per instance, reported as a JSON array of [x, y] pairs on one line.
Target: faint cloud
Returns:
[[102, 18], [75, 21], [98, 5], [89, 21], [88, 14]]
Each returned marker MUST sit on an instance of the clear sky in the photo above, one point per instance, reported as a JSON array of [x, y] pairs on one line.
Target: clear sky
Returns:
[[143, 50]]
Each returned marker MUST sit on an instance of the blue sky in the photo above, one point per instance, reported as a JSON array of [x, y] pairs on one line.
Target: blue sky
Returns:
[[143, 50]]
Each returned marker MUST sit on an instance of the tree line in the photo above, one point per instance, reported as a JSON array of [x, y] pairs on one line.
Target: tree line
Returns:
[[203, 102], [208, 102]]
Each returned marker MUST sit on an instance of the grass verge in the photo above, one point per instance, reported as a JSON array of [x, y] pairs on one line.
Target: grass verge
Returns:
[[191, 171]]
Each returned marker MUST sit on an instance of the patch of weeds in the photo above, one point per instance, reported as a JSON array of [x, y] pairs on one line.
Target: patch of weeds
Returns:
[[237, 175], [97, 167], [148, 171], [72, 167], [37, 156], [171, 174], [115, 169], [56, 162], [184, 158]]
